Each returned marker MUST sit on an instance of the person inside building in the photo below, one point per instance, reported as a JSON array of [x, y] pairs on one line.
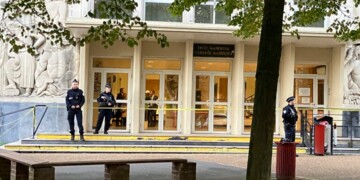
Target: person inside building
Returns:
[[290, 117], [106, 102], [147, 97], [152, 109], [120, 111], [74, 101]]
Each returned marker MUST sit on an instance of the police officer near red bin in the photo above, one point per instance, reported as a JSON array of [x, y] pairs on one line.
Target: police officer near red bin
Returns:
[[290, 117], [74, 101]]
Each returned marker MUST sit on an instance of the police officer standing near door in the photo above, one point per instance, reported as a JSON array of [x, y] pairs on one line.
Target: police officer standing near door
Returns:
[[74, 101], [106, 101], [290, 117]]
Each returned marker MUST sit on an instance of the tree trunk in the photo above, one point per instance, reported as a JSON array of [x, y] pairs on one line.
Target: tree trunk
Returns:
[[267, 73]]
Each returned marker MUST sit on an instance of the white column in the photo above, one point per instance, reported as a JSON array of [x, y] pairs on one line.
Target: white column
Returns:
[[186, 122], [336, 77], [136, 94], [287, 64], [84, 78], [237, 90]]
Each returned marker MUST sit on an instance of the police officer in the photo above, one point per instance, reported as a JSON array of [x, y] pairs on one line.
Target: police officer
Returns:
[[74, 101], [290, 117], [106, 101]]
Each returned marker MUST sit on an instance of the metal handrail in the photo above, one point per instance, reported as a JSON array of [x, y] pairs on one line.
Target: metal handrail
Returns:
[[35, 127]]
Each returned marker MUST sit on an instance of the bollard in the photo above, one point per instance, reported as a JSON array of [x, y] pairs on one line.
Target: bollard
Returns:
[[286, 160]]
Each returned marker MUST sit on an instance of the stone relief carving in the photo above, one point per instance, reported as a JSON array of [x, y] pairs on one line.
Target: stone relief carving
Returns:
[[50, 72], [352, 75]]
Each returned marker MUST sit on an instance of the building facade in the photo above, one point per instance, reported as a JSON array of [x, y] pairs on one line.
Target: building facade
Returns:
[[205, 80]]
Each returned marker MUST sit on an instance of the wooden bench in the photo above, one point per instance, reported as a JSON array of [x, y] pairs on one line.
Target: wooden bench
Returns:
[[16, 166]]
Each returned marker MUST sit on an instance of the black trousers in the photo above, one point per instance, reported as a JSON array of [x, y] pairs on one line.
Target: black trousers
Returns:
[[152, 118], [107, 113], [289, 132], [71, 115]]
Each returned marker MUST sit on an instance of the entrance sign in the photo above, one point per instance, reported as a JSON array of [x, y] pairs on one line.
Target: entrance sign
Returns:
[[214, 50]]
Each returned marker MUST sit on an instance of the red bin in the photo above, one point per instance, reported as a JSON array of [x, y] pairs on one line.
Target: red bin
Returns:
[[319, 139], [286, 160]]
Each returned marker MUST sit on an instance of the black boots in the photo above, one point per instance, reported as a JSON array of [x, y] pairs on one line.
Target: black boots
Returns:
[[82, 137]]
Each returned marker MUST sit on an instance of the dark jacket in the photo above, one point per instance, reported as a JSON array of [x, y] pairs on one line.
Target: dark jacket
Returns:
[[289, 115], [108, 98], [153, 98], [120, 96], [74, 97]]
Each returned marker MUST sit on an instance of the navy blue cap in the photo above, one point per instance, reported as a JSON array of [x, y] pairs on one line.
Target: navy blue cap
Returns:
[[291, 98]]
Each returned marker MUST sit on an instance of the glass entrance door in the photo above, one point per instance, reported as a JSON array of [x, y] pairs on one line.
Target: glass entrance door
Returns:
[[161, 101], [211, 102], [119, 81], [310, 93]]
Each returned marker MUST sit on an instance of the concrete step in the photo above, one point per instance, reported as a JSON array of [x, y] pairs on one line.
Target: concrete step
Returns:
[[126, 137], [82, 148], [136, 142]]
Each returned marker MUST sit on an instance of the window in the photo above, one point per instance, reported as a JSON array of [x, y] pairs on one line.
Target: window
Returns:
[[212, 66], [310, 69], [157, 64], [207, 13], [97, 4], [111, 63], [158, 11], [319, 23]]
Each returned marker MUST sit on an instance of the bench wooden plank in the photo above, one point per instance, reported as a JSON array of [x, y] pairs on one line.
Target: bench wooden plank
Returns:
[[95, 162], [24, 167], [19, 158]]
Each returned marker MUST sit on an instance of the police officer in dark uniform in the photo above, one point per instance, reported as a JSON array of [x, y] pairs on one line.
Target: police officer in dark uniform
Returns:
[[106, 101], [290, 117], [74, 101]]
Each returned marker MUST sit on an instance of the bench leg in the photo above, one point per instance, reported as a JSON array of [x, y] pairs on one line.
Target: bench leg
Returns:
[[19, 171], [117, 171], [5, 169], [184, 171], [47, 173]]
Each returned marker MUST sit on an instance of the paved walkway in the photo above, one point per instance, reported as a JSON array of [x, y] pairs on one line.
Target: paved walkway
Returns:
[[210, 166]]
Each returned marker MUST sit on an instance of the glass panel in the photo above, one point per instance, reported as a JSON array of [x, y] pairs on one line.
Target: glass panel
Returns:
[[159, 12], [119, 84], [321, 90], [96, 7], [202, 88], [319, 23], [97, 84], [162, 64], [170, 117], [212, 66], [310, 69], [117, 81], [220, 118], [201, 118], [248, 116], [204, 13], [221, 17], [249, 89], [171, 87], [95, 113], [220, 89], [111, 63], [303, 91], [250, 67], [152, 83]]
